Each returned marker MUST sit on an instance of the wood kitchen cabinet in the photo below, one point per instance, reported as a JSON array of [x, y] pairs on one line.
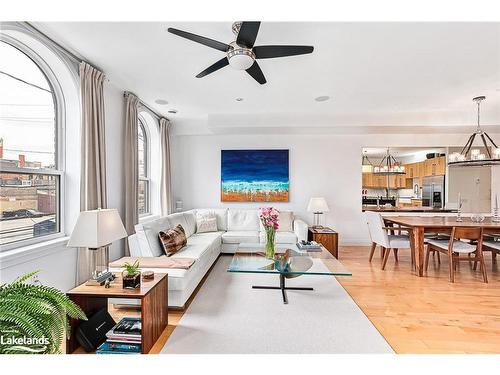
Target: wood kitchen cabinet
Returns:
[[435, 166]]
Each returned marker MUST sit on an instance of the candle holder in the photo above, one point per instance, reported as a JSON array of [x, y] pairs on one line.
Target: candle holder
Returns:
[[459, 213], [496, 218]]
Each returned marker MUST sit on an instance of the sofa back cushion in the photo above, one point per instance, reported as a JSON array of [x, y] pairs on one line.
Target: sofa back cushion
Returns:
[[173, 239], [147, 236], [242, 220], [285, 221], [219, 213], [186, 219]]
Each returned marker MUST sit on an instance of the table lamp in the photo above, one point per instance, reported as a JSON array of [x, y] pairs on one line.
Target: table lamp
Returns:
[[318, 206], [97, 229]]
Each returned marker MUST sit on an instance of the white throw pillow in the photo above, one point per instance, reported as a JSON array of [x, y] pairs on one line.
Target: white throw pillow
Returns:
[[206, 222]]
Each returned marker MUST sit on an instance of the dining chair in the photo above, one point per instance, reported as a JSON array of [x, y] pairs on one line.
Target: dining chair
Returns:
[[380, 237], [456, 246], [492, 243]]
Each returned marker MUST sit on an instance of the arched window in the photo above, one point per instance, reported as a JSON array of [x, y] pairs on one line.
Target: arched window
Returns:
[[144, 181], [30, 171]]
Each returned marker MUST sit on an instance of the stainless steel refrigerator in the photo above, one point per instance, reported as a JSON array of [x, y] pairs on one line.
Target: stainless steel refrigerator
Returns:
[[433, 192]]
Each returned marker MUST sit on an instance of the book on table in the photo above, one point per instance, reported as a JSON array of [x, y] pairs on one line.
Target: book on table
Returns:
[[123, 338]]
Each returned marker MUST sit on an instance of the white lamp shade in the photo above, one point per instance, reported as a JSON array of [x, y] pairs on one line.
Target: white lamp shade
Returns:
[[317, 205], [97, 228]]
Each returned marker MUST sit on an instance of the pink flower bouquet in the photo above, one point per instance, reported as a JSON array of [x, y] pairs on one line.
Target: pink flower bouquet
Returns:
[[269, 219]]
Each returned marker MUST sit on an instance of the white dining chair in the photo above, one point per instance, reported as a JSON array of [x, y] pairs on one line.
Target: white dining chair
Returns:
[[380, 237], [492, 243]]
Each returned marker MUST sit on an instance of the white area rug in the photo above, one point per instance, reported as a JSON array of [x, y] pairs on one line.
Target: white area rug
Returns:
[[228, 316]]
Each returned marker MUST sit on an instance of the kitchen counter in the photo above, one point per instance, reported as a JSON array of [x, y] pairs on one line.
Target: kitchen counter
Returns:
[[406, 209]]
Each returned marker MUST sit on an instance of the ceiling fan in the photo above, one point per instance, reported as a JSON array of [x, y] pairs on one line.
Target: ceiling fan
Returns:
[[241, 54]]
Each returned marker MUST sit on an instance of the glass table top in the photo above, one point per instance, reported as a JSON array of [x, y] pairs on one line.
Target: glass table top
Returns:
[[289, 260]]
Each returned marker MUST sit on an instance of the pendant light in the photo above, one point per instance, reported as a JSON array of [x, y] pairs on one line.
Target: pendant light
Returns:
[[389, 166], [366, 164], [473, 157]]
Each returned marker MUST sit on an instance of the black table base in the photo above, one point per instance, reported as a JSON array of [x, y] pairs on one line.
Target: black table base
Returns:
[[282, 287]]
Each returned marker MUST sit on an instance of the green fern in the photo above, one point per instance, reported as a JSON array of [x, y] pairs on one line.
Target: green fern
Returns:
[[34, 311]]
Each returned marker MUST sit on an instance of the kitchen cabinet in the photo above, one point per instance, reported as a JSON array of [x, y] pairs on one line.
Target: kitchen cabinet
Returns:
[[416, 202], [367, 180], [435, 166]]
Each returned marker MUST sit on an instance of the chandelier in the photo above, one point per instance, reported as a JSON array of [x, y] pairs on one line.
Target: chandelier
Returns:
[[389, 166], [473, 157]]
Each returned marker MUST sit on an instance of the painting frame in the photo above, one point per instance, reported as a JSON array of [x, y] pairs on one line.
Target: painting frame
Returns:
[[255, 175]]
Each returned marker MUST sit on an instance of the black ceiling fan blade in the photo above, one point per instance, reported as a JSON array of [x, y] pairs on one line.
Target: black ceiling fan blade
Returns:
[[248, 33], [200, 39], [212, 68], [256, 73], [269, 52]]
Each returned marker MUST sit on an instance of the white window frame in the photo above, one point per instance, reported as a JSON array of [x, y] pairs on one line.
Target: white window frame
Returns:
[[59, 117], [141, 122]]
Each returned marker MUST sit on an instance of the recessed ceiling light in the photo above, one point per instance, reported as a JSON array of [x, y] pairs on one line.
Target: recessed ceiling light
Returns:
[[161, 101], [322, 98], [174, 111], [239, 99]]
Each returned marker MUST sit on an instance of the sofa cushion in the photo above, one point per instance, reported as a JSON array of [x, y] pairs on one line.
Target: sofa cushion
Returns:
[[285, 221], [240, 236], [281, 237], [180, 218], [190, 217], [173, 239], [206, 222], [147, 236], [205, 238], [219, 213], [242, 220]]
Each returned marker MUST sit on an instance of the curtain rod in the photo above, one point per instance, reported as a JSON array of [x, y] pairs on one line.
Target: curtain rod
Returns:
[[70, 54], [157, 115]]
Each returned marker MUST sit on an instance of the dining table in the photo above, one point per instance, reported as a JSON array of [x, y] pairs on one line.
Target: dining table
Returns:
[[419, 225]]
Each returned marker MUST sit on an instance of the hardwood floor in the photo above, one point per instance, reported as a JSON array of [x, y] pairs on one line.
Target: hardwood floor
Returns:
[[426, 314], [415, 314]]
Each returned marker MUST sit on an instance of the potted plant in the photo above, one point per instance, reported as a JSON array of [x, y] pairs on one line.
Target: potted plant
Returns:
[[131, 275], [269, 219], [33, 317]]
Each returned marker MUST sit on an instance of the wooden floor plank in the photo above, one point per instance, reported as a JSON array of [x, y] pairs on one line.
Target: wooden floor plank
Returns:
[[428, 314]]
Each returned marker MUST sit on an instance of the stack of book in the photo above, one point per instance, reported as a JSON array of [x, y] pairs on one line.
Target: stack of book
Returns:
[[309, 246], [123, 338]]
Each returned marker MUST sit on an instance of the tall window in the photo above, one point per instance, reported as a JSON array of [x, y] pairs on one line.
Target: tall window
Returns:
[[144, 183], [30, 176]]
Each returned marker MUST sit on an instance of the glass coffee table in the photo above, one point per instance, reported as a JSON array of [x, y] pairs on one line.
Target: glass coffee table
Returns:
[[289, 262]]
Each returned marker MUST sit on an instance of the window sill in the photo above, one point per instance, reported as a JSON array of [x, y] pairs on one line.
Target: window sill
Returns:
[[24, 254]]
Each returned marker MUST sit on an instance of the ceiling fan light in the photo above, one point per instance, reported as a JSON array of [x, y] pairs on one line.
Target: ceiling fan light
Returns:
[[240, 58]]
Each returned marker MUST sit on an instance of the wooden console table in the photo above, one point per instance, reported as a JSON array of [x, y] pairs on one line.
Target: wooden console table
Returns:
[[330, 239], [154, 306]]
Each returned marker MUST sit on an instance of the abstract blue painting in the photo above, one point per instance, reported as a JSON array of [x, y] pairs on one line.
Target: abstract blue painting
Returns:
[[254, 176]]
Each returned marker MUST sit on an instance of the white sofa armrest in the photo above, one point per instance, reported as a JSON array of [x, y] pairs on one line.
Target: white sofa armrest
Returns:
[[133, 246], [300, 229]]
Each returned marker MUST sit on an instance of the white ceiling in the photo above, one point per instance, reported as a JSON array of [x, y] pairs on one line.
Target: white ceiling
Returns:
[[377, 74]]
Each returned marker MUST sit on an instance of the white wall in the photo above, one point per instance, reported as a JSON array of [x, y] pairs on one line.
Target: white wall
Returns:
[[320, 165]]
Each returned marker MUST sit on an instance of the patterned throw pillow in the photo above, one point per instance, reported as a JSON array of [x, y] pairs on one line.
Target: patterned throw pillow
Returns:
[[173, 240], [206, 222]]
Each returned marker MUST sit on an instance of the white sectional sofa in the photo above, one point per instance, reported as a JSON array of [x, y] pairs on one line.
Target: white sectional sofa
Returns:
[[234, 226]]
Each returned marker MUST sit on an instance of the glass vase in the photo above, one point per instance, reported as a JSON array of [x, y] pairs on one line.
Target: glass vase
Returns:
[[270, 232]]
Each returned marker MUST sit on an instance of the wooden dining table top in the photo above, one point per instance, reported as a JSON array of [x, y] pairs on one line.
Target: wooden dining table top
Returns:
[[440, 222]]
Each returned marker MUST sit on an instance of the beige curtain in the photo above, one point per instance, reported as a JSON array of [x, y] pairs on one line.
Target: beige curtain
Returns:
[[93, 154], [166, 180], [131, 165]]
